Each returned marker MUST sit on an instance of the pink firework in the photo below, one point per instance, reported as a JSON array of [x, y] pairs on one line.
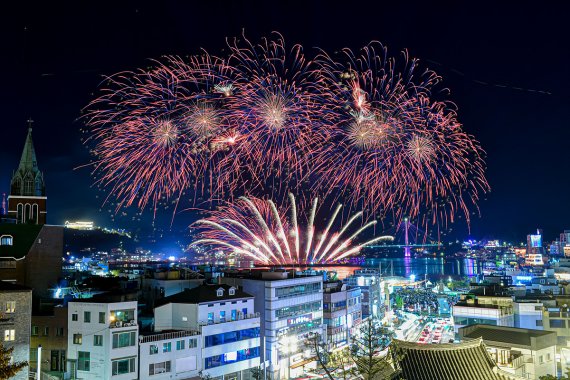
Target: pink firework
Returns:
[[280, 106], [152, 131], [396, 150]]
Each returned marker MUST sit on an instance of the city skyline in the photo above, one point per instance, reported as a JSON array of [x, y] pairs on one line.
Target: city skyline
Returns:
[[60, 74]]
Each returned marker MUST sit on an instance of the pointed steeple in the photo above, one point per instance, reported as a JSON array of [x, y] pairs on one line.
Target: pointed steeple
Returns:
[[28, 162], [27, 179]]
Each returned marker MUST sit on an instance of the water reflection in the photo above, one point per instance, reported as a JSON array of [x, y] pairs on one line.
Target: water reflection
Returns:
[[434, 268]]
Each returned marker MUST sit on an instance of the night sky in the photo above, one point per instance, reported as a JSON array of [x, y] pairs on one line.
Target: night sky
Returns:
[[506, 64]]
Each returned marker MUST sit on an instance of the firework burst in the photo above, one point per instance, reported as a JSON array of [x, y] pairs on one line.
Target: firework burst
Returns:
[[151, 131], [361, 126], [258, 230], [281, 107]]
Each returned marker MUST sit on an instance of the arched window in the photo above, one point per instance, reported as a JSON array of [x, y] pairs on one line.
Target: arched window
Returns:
[[35, 213], [29, 186], [6, 240], [27, 212], [17, 186], [20, 213], [38, 186]]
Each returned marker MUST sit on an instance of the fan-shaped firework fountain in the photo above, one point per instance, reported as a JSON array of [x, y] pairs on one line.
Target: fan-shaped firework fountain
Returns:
[[258, 230]]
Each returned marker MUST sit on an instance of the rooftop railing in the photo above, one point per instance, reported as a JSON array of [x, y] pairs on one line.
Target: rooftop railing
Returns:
[[167, 336]]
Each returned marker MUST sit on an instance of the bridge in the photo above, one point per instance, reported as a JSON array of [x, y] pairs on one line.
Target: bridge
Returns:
[[406, 226]]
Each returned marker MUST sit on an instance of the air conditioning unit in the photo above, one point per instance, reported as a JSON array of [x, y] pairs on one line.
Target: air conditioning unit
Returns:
[[119, 324]]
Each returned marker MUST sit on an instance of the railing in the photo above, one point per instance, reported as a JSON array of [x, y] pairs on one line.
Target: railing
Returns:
[[240, 317], [120, 324], [167, 336]]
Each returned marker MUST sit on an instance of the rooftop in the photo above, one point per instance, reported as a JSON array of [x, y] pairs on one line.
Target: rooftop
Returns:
[[456, 361], [23, 237], [509, 335], [6, 286], [203, 294], [268, 275]]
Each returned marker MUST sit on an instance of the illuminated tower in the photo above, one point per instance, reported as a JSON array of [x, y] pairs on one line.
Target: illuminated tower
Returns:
[[27, 199], [407, 252]]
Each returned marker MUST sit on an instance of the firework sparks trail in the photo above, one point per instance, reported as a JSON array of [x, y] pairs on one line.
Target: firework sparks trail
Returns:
[[257, 229]]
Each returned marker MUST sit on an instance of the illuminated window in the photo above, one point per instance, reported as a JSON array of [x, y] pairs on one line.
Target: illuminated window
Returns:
[[77, 338], [6, 240], [232, 291], [11, 307], [9, 335]]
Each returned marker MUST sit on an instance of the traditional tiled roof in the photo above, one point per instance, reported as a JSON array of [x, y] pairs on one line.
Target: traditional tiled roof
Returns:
[[468, 360]]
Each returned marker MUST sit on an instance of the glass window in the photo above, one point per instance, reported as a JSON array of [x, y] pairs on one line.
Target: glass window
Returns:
[[35, 330], [222, 316], [124, 339], [180, 345], [231, 357], [9, 335], [123, 366], [74, 317], [87, 316], [101, 317], [192, 343], [83, 361], [6, 240], [77, 338], [558, 323], [46, 331], [166, 347], [157, 368], [123, 315], [153, 349], [59, 331], [296, 290], [11, 307], [97, 340], [231, 336], [210, 318]]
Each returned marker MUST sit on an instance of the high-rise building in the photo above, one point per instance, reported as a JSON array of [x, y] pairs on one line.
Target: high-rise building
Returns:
[[291, 309], [27, 199]]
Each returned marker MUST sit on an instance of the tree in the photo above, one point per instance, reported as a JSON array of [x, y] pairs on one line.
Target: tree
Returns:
[[368, 357], [367, 352], [8, 369], [256, 373], [552, 377], [336, 364]]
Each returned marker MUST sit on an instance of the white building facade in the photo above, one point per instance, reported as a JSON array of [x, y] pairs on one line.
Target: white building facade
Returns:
[[103, 340], [170, 355], [228, 325]]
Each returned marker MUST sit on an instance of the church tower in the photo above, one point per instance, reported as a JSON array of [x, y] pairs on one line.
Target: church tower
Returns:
[[27, 199]]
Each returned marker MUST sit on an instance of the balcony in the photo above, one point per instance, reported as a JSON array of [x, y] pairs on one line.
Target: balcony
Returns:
[[121, 324], [240, 317]]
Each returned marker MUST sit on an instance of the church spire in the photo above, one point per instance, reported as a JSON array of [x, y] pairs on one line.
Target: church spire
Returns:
[[27, 200], [28, 162]]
